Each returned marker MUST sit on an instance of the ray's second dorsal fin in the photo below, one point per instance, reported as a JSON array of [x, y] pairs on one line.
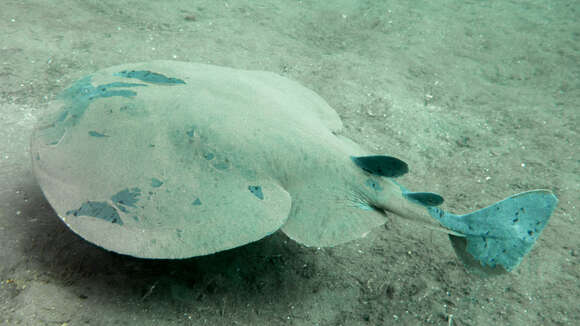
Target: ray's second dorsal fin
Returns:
[[427, 199], [385, 166]]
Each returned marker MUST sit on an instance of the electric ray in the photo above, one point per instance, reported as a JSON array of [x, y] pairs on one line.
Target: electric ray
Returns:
[[170, 159]]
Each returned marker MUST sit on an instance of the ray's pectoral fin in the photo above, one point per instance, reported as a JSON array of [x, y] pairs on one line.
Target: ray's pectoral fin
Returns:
[[500, 234], [382, 165]]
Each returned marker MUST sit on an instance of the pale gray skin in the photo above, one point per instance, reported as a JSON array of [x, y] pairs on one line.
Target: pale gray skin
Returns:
[[170, 168]]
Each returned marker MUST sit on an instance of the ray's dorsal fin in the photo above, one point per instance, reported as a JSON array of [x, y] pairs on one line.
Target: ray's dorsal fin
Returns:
[[424, 198], [382, 165]]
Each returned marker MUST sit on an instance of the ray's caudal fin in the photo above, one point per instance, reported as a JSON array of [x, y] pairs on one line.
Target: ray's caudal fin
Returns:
[[499, 235], [502, 233]]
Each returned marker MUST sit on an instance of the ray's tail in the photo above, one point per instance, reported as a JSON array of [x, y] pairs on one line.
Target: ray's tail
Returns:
[[499, 235]]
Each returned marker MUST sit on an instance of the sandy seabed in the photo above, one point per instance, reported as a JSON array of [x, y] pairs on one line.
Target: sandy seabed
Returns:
[[481, 99]]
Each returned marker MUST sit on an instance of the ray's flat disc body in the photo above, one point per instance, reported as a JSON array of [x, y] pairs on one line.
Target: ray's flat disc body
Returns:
[[170, 159]]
